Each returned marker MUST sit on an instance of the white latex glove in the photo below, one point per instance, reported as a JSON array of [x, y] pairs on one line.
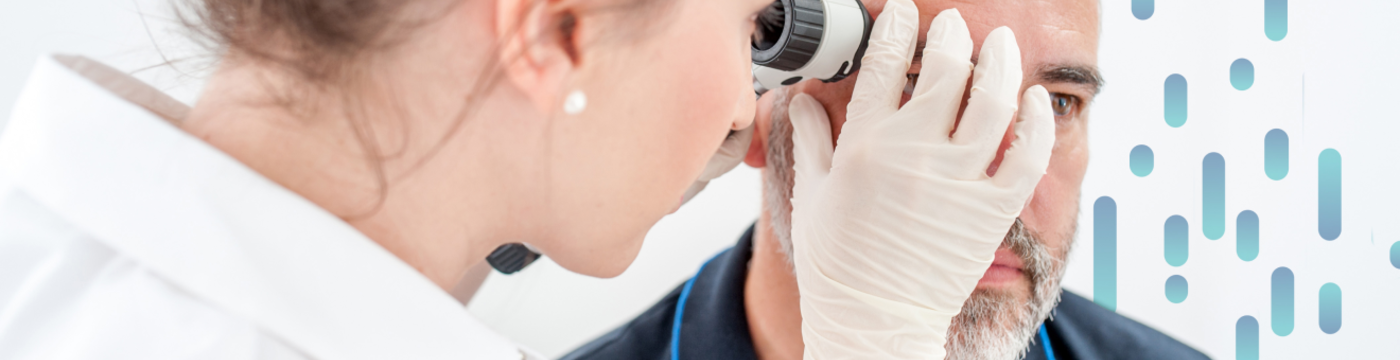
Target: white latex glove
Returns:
[[892, 232], [731, 153]]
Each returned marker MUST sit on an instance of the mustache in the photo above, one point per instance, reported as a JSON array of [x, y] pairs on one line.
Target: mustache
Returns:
[[1039, 262], [996, 324]]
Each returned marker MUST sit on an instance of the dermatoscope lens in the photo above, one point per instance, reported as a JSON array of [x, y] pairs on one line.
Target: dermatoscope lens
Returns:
[[769, 26]]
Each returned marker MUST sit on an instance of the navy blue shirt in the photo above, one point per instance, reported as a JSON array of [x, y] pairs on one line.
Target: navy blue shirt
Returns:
[[715, 326]]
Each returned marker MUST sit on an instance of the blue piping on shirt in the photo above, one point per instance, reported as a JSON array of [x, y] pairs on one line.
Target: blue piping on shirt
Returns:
[[680, 308]]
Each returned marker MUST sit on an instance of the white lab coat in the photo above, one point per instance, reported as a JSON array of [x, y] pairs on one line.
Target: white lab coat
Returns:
[[123, 237]]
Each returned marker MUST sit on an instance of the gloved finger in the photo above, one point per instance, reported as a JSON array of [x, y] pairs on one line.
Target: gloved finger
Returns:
[[693, 190], [811, 138], [731, 153], [1029, 155], [947, 64], [995, 84], [880, 84]]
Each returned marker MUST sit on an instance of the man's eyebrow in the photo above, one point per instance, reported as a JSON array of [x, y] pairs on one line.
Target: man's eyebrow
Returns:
[[919, 52], [1077, 74]]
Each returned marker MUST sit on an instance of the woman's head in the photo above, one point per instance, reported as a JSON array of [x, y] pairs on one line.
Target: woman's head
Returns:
[[455, 109]]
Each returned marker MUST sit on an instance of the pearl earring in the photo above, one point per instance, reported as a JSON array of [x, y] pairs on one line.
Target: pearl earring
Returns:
[[575, 102]]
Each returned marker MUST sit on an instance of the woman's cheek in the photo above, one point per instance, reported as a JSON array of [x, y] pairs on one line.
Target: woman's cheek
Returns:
[[706, 86]]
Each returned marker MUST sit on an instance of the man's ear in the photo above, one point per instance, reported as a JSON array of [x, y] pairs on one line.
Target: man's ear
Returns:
[[538, 48], [758, 151], [757, 156]]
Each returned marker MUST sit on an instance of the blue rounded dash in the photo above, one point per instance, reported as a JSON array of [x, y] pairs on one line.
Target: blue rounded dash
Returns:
[[1329, 194], [1276, 19], [1140, 160], [1281, 301], [1176, 289], [1142, 9], [1174, 240], [1106, 253], [1174, 100], [1247, 235], [1242, 74], [1213, 196], [1247, 338], [1276, 154], [1329, 308], [1395, 254]]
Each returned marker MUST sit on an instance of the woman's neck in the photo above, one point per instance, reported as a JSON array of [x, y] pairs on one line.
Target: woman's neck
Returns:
[[440, 215]]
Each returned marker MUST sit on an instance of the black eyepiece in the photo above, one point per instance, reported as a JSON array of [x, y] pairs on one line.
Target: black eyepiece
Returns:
[[510, 258], [791, 32], [769, 26]]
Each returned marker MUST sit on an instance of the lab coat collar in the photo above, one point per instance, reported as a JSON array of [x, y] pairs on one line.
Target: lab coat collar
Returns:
[[89, 142]]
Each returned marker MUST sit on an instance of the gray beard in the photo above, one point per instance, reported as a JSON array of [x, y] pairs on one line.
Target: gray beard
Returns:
[[996, 324], [993, 324]]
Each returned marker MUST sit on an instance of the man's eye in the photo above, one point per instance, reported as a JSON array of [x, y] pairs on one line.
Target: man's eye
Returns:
[[1063, 104]]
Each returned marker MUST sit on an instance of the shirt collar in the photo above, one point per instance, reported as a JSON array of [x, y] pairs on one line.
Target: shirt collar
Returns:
[[714, 324], [88, 142]]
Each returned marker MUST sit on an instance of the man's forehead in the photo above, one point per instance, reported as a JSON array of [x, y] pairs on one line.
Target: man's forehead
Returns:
[[989, 14], [1058, 39], [993, 13], [1056, 31]]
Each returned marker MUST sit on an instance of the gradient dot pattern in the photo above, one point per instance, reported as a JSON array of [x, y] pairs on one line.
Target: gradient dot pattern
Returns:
[[1247, 235], [1329, 308], [1276, 19], [1143, 9], [1276, 154], [1140, 160], [1174, 100], [1213, 196], [1176, 289], [1247, 338], [1329, 194], [1242, 74], [1281, 306], [1276, 165], [1395, 254], [1106, 253], [1174, 240]]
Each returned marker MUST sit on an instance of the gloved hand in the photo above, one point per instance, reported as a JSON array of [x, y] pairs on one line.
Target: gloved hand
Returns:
[[892, 232], [731, 153]]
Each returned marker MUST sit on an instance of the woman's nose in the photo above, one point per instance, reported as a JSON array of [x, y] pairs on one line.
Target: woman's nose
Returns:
[[744, 113]]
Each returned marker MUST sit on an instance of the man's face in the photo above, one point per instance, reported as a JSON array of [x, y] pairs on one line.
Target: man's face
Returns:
[[1059, 50]]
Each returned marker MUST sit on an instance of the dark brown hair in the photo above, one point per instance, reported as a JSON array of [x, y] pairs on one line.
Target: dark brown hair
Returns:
[[319, 39], [324, 42], [314, 38]]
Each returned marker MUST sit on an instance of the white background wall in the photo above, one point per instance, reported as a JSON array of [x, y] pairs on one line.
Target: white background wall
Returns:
[[1330, 84]]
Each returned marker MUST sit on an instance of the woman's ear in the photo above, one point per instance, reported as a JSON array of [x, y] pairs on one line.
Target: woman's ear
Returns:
[[538, 48]]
